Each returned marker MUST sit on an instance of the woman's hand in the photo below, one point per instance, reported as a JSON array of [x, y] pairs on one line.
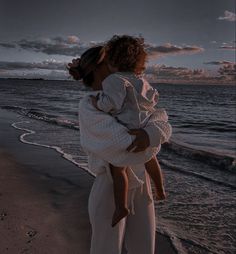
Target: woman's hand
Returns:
[[141, 141]]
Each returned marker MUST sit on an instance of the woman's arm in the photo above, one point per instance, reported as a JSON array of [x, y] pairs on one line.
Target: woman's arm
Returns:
[[112, 97], [156, 132], [103, 136], [153, 135], [141, 141]]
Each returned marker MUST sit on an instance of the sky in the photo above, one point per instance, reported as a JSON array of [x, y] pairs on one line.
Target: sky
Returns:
[[187, 40]]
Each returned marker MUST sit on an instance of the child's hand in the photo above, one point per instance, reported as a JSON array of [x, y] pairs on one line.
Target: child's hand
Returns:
[[94, 100]]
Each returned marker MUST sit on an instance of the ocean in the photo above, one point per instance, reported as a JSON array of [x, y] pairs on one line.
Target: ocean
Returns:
[[199, 162]]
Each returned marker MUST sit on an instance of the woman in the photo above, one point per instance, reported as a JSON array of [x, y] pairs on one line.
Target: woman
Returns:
[[105, 141]]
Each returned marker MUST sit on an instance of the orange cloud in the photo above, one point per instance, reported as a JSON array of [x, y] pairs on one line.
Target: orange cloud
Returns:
[[169, 74], [170, 49]]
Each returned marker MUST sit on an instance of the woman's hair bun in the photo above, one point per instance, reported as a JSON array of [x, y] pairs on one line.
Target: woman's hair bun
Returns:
[[75, 70], [80, 71], [84, 66]]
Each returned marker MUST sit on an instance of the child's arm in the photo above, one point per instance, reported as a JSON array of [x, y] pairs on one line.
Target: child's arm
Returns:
[[104, 104], [94, 100], [113, 94]]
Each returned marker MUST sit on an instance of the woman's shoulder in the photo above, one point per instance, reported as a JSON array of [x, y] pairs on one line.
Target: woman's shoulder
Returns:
[[122, 78], [130, 74], [114, 77], [114, 80], [86, 98]]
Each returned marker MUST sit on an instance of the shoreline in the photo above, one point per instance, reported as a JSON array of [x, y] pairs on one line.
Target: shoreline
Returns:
[[157, 82], [37, 180]]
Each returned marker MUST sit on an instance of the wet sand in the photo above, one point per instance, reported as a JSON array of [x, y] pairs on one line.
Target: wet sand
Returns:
[[43, 199]]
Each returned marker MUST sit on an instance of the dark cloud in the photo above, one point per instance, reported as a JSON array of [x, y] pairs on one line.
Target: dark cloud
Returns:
[[228, 45], [170, 49], [68, 46], [47, 74], [7, 45], [72, 46], [228, 71], [45, 65], [170, 74], [175, 72], [49, 69], [219, 62], [155, 73]]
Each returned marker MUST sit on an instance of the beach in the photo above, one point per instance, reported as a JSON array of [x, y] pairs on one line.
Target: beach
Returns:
[[40, 131], [44, 199]]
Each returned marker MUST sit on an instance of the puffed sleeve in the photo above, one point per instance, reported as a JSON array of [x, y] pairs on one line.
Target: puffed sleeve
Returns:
[[158, 128], [112, 97]]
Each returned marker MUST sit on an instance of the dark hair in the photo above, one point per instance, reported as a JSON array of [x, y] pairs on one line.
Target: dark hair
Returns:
[[127, 53], [88, 79], [88, 62]]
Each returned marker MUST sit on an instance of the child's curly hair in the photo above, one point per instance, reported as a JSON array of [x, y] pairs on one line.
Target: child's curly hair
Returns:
[[126, 53]]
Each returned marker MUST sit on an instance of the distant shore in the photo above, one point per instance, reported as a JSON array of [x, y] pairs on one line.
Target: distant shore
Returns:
[[40, 211], [233, 83]]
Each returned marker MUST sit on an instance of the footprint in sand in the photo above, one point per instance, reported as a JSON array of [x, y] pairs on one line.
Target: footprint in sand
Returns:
[[31, 233]]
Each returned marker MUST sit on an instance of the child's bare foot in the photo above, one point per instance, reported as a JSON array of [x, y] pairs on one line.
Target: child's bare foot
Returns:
[[160, 195], [119, 214]]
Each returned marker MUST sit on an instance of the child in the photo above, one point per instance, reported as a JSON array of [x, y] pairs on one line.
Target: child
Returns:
[[131, 100]]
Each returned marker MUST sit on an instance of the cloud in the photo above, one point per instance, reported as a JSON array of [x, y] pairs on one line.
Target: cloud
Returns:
[[228, 45], [45, 65], [170, 49], [219, 62], [169, 74], [52, 69], [68, 46], [57, 75], [48, 69], [73, 39], [228, 16], [7, 45], [228, 71], [72, 46], [175, 72], [48, 75]]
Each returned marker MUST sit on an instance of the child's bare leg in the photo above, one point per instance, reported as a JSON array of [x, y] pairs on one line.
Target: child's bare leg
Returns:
[[120, 186], [154, 170]]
